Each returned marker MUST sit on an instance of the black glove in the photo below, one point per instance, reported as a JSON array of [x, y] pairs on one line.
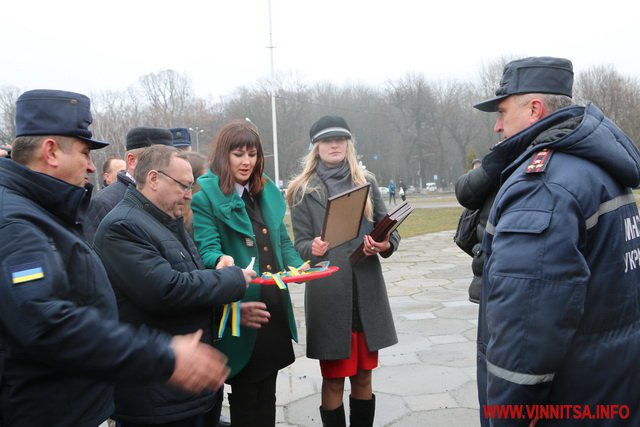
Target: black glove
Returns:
[[495, 162]]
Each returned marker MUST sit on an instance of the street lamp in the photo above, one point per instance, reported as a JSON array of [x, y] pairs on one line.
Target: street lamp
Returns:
[[197, 132]]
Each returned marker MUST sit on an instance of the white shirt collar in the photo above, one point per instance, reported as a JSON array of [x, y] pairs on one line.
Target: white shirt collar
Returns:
[[240, 188]]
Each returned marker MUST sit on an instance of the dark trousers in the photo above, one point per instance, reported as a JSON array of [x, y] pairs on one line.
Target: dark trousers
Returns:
[[208, 419], [254, 404]]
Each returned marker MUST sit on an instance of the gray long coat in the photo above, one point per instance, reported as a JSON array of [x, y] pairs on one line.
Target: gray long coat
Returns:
[[328, 302]]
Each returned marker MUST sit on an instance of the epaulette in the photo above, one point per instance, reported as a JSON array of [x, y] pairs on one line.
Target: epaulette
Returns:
[[539, 161]]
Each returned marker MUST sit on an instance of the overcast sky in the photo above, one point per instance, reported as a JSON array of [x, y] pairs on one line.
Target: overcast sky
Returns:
[[90, 46]]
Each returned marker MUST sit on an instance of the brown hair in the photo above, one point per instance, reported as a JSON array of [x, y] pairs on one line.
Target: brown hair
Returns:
[[236, 134]]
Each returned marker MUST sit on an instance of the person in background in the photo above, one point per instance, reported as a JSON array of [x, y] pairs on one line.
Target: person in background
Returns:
[[402, 190], [110, 170], [181, 138], [392, 192], [348, 315], [198, 164], [559, 318], [62, 347], [172, 291], [238, 216], [106, 199], [5, 151], [477, 189]]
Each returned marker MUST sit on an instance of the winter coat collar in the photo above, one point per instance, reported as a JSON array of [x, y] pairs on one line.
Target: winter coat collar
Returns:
[[65, 201], [134, 196], [231, 210], [583, 132]]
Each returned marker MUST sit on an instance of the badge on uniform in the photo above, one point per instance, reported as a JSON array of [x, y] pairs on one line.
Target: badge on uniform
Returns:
[[26, 273], [540, 161], [248, 241]]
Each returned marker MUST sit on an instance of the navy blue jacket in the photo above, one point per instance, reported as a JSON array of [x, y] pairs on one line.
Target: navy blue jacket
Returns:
[[160, 281], [560, 308], [62, 344]]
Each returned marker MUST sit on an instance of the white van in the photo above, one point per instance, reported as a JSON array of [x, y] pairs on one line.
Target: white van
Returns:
[[431, 186]]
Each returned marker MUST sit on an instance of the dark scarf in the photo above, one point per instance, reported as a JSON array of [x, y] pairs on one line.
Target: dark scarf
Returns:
[[337, 178]]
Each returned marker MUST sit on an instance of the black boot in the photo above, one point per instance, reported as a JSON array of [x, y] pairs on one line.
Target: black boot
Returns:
[[333, 418], [361, 412]]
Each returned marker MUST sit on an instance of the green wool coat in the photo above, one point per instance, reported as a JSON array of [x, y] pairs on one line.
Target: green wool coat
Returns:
[[222, 227]]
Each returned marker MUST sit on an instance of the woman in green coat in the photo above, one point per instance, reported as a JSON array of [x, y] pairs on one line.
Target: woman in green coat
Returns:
[[238, 215]]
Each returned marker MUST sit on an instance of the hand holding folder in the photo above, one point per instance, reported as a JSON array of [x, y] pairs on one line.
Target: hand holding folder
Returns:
[[386, 226]]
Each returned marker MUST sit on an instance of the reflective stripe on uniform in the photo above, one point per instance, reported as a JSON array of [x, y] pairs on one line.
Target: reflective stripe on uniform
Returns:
[[592, 221], [518, 377], [610, 206]]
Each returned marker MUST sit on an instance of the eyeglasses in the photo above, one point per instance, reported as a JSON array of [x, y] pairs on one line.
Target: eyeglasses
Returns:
[[186, 188]]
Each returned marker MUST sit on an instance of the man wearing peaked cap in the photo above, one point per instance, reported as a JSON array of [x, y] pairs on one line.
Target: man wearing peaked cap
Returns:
[[560, 284], [106, 199], [544, 75], [181, 138], [55, 112], [62, 345]]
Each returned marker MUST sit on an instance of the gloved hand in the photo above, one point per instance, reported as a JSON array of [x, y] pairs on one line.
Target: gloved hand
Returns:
[[495, 161]]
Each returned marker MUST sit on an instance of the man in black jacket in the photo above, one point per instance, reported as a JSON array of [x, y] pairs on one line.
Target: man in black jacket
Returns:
[[106, 199], [61, 345], [160, 281]]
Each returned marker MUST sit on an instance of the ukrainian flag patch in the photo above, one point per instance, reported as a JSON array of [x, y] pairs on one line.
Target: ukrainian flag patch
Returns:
[[26, 273]]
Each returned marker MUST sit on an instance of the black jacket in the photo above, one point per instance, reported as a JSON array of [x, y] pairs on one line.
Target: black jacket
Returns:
[[160, 281], [61, 343], [476, 190], [102, 203]]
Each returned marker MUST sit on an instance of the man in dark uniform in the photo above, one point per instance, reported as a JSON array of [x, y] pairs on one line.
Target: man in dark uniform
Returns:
[[173, 292], [559, 320], [61, 345], [106, 199]]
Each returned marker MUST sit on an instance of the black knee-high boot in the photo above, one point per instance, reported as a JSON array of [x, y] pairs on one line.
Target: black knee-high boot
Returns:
[[333, 418], [361, 412]]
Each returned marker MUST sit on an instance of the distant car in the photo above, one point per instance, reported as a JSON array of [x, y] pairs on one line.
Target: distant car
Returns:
[[411, 189], [384, 190], [431, 186]]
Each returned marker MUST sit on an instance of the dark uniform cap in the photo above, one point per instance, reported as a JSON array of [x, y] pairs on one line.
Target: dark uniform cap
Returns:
[[146, 137], [532, 75], [55, 112], [329, 127], [181, 137]]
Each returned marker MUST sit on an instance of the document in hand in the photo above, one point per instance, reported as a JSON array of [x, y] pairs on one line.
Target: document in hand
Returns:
[[386, 226], [344, 215]]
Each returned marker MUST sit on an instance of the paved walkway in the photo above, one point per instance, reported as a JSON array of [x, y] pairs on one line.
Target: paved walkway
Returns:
[[428, 378]]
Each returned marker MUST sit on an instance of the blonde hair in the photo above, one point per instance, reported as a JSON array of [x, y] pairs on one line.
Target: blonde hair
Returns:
[[299, 185]]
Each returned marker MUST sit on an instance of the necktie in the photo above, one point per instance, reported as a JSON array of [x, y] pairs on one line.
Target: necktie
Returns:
[[248, 200]]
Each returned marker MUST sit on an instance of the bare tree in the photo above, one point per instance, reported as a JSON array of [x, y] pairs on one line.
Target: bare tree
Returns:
[[616, 95], [8, 98], [168, 95]]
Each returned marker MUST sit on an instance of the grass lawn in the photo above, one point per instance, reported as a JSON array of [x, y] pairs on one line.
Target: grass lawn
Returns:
[[430, 220]]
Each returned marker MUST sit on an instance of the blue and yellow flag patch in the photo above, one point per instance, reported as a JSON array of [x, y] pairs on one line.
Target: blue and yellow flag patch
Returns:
[[26, 273]]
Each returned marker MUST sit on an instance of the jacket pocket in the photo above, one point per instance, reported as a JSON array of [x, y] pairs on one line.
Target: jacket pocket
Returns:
[[524, 221]]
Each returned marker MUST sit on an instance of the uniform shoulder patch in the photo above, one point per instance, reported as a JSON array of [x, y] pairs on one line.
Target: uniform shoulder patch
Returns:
[[28, 272], [539, 161]]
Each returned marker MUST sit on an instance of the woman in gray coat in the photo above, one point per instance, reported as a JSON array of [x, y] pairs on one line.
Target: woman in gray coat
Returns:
[[347, 315]]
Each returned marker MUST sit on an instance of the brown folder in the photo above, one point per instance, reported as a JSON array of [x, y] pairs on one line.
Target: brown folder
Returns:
[[385, 226]]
